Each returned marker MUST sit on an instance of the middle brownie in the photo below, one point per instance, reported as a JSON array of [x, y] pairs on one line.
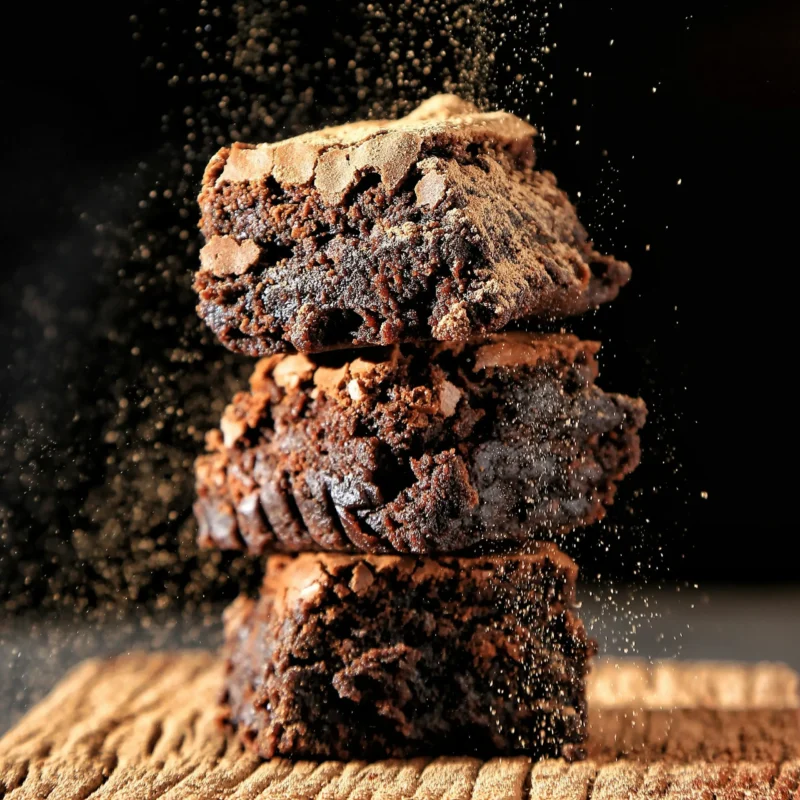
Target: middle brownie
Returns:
[[417, 449]]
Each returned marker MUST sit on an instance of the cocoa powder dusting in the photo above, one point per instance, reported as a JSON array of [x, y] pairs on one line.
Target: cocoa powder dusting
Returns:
[[112, 380]]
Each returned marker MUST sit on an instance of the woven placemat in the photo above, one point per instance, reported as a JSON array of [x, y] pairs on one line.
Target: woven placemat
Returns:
[[144, 726]]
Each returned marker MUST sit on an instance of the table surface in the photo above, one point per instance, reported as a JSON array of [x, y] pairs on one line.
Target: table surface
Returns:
[[144, 726]]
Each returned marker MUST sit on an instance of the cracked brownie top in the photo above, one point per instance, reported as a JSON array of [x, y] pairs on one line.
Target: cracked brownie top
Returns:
[[434, 226]]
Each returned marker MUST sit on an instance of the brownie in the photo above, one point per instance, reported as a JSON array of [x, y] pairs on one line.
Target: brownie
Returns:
[[417, 449], [435, 226], [363, 656]]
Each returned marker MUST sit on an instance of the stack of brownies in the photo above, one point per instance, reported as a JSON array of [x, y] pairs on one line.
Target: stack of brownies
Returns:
[[402, 460]]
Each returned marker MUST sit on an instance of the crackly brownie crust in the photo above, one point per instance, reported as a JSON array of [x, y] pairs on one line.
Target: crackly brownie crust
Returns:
[[389, 656], [417, 449], [432, 227]]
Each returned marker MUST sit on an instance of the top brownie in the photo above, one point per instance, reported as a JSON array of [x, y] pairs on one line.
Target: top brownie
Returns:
[[435, 226]]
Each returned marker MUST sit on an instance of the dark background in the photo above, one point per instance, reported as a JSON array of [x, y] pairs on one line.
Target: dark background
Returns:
[[97, 317]]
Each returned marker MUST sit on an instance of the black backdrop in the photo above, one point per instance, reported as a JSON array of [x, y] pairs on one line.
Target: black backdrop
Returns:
[[691, 182]]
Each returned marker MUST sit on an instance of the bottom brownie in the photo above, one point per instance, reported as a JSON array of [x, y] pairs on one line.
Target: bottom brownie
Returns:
[[388, 656]]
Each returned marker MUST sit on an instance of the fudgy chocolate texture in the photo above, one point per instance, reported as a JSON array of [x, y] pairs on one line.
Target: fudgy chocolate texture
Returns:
[[417, 449], [434, 226], [388, 656]]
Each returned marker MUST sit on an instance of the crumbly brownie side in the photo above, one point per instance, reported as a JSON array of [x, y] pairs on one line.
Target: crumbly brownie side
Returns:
[[432, 227], [390, 656], [417, 449]]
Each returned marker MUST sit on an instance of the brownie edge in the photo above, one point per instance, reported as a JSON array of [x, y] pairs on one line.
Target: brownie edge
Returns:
[[394, 656]]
